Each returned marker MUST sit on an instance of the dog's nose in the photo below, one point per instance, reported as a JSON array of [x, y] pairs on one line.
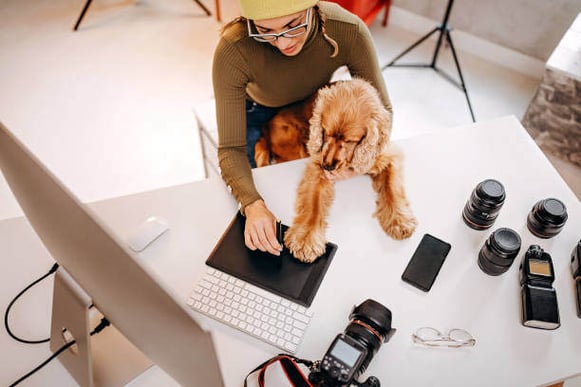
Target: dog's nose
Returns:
[[328, 167]]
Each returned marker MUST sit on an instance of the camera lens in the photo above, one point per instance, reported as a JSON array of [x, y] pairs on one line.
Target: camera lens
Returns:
[[547, 218], [499, 251], [370, 324], [484, 204]]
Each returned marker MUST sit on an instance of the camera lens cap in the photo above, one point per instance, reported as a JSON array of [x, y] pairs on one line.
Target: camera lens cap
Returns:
[[553, 210], [491, 190], [506, 241], [547, 218]]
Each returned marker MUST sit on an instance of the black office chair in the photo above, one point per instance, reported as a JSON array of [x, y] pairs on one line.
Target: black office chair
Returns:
[[88, 3]]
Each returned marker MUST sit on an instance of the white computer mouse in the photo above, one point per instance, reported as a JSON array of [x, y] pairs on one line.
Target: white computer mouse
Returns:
[[148, 231]]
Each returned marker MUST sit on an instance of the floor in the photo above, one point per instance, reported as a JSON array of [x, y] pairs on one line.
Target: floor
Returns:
[[109, 108]]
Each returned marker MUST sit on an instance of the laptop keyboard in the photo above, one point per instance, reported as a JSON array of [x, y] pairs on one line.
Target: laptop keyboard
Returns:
[[252, 310]]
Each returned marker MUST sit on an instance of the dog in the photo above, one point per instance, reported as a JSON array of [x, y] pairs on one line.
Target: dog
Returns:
[[284, 137], [349, 131]]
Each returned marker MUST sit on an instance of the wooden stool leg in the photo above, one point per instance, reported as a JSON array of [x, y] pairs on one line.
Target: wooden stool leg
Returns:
[[386, 13], [218, 14]]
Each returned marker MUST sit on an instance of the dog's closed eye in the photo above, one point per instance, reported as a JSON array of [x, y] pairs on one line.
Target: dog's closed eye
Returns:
[[361, 139], [323, 132]]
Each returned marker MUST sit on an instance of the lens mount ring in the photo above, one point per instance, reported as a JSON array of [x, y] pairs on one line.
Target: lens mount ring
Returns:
[[369, 328]]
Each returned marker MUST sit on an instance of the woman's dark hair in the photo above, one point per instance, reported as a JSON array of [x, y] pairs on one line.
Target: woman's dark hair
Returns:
[[231, 23], [320, 15], [331, 41]]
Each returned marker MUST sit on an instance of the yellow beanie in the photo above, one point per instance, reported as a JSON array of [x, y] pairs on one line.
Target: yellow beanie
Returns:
[[268, 9]]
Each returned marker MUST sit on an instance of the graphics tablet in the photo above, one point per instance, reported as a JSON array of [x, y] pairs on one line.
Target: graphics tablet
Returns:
[[283, 275]]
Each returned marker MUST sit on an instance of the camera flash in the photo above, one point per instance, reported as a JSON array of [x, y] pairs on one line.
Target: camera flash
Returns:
[[540, 268]]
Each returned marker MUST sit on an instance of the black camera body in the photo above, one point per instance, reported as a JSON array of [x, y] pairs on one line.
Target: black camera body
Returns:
[[576, 271], [351, 351], [539, 299], [343, 358]]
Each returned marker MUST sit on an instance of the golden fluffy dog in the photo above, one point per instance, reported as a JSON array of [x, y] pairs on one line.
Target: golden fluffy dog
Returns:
[[349, 130], [284, 137]]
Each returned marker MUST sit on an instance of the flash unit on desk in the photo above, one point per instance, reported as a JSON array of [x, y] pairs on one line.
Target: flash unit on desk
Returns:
[[539, 299]]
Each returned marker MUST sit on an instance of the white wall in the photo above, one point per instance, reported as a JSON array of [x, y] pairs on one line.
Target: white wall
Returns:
[[532, 27]]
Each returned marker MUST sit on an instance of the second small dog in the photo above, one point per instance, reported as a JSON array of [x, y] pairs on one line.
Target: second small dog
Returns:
[[284, 137], [349, 130]]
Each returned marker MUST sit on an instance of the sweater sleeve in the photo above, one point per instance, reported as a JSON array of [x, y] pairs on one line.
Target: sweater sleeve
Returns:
[[229, 76], [364, 64]]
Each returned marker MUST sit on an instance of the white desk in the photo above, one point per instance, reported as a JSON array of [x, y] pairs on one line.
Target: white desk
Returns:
[[441, 171]]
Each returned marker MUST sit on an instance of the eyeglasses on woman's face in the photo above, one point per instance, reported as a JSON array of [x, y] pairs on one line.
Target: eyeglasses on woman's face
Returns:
[[290, 33]]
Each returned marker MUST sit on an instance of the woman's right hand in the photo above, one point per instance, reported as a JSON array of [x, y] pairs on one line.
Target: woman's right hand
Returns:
[[260, 231]]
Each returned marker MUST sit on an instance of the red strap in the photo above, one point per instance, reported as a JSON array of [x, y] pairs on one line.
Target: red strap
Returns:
[[294, 373], [290, 368], [263, 370]]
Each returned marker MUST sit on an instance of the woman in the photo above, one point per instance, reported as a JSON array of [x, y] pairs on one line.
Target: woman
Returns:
[[279, 52]]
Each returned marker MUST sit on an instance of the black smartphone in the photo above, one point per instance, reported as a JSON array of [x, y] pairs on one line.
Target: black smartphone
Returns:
[[426, 262]]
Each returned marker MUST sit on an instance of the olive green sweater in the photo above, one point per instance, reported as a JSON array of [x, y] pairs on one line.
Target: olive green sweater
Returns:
[[246, 69]]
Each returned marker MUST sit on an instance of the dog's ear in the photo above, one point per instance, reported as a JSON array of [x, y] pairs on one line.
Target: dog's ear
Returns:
[[366, 150], [384, 124], [316, 131], [262, 152], [376, 138], [315, 142]]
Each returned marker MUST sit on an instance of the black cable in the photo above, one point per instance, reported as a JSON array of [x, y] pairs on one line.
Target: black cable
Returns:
[[102, 325], [52, 270]]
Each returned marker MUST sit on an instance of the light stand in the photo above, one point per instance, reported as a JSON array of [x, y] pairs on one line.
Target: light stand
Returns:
[[444, 29]]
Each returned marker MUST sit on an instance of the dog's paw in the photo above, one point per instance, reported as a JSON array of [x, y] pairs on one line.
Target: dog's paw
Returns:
[[304, 244], [401, 226]]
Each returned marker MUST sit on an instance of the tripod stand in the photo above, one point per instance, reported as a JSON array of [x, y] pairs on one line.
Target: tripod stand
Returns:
[[444, 30]]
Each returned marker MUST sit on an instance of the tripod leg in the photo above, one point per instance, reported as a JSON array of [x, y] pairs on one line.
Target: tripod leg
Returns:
[[420, 41], [82, 15], [463, 85], [444, 29], [203, 7]]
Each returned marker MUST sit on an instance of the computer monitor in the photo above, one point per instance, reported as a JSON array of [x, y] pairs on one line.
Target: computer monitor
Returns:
[[100, 270]]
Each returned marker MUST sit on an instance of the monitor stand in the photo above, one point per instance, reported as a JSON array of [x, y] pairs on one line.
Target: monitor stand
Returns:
[[107, 360]]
